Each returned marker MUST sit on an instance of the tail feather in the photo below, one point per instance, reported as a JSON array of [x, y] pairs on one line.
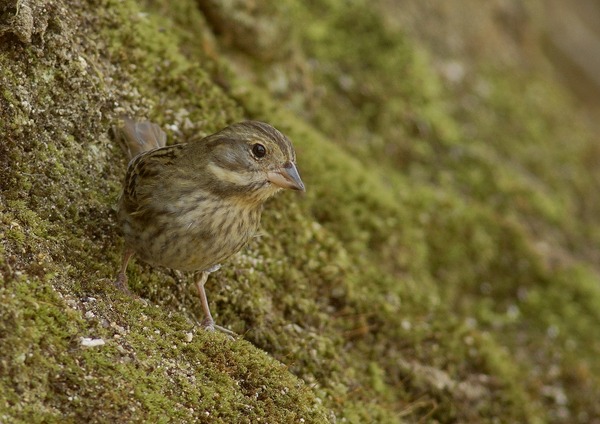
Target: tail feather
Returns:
[[139, 137]]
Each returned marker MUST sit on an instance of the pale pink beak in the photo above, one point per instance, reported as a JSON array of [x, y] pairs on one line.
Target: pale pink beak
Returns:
[[286, 177]]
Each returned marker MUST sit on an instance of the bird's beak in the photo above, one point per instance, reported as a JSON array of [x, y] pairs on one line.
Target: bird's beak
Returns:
[[286, 177]]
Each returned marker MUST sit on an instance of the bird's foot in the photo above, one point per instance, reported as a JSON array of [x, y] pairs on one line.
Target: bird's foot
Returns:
[[121, 283], [209, 325]]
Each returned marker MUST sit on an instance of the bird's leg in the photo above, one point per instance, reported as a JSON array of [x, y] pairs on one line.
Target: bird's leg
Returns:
[[208, 322], [121, 281]]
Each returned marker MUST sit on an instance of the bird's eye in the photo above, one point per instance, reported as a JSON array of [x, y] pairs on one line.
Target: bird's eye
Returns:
[[259, 150]]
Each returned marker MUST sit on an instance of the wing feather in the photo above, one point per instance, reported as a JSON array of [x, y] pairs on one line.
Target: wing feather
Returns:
[[146, 170]]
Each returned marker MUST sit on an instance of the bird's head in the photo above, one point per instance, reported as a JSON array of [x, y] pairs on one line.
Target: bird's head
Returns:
[[251, 159]]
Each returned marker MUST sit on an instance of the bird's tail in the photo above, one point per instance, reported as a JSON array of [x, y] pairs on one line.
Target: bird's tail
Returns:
[[139, 137]]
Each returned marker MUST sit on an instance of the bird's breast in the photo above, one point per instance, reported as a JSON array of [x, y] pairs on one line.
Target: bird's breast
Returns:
[[198, 237]]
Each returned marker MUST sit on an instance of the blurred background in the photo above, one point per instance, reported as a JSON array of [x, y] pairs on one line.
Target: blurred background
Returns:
[[509, 33]]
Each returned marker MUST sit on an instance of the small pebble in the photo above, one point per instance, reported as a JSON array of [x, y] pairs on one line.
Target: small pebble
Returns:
[[88, 342]]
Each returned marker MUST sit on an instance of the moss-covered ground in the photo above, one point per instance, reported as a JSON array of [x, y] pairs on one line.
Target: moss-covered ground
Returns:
[[442, 266]]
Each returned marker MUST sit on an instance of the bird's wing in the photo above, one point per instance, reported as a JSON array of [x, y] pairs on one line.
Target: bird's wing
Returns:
[[146, 171]]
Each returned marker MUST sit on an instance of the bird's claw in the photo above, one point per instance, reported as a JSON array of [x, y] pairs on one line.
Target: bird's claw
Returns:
[[209, 325], [121, 284]]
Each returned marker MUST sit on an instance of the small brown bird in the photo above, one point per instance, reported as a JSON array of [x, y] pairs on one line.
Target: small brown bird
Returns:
[[191, 206]]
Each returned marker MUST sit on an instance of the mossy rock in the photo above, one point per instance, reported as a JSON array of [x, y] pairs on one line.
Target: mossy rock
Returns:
[[437, 269]]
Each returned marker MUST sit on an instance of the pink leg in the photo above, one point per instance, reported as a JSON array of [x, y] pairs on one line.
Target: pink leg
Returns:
[[121, 281], [208, 322]]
